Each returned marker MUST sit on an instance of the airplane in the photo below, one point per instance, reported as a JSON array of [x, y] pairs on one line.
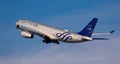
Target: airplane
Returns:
[[52, 34]]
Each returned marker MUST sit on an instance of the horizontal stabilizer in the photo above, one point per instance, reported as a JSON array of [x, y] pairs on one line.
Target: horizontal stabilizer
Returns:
[[103, 33], [100, 39]]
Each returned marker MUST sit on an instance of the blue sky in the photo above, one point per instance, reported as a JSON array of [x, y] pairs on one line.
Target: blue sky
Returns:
[[69, 14]]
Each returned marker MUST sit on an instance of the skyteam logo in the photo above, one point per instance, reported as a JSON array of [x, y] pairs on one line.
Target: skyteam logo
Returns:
[[90, 28], [64, 36]]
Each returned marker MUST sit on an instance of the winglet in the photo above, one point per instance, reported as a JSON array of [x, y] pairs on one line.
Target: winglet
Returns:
[[112, 31], [88, 30]]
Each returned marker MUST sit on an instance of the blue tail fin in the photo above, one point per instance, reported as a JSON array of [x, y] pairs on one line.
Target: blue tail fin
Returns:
[[88, 30]]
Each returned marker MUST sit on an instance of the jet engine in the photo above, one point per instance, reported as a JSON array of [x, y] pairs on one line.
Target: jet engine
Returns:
[[26, 34]]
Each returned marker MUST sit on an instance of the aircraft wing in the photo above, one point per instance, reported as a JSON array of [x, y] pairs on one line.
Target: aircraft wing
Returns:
[[103, 33]]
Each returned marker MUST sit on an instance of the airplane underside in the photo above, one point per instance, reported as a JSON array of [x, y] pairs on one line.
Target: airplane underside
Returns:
[[48, 40]]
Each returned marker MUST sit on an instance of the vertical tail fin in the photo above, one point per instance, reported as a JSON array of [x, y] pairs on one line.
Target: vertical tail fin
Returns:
[[88, 30]]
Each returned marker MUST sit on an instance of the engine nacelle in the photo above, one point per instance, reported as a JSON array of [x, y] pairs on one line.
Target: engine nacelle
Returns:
[[26, 34]]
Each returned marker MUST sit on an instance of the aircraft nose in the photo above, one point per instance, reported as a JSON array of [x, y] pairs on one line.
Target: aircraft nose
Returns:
[[17, 26]]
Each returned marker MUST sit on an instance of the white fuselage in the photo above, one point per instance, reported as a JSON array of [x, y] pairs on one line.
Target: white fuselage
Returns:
[[51, 32]]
